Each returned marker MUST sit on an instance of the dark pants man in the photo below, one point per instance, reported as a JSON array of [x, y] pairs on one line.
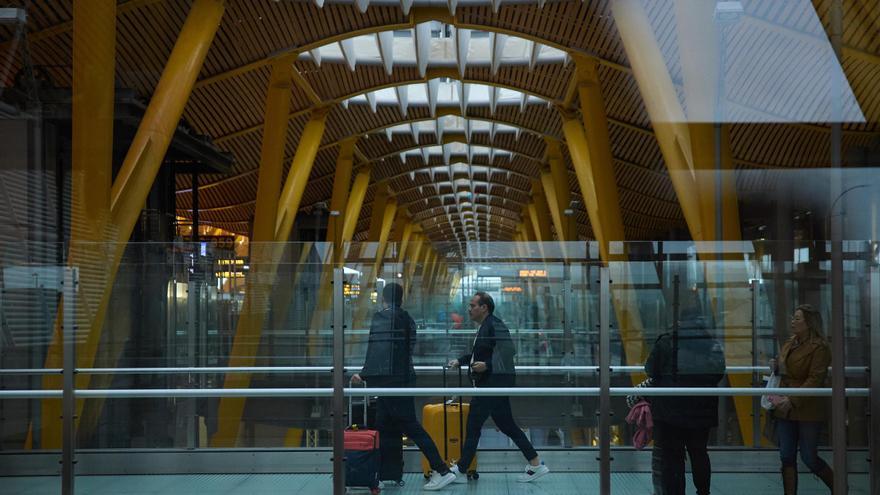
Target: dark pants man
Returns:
[[499, 409], [399, 413], [667, 460]]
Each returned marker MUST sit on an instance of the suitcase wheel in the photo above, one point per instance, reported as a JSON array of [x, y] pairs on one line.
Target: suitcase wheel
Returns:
[[473, 475]]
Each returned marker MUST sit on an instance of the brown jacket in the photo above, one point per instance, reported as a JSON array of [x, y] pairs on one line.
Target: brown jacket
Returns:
[[805, 365]]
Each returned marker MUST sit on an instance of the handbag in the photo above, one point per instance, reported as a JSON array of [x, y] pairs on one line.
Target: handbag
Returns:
[[773, 381], [769, 429]]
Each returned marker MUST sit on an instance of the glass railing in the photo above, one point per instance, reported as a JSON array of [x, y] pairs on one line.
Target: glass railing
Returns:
[[191, 347]]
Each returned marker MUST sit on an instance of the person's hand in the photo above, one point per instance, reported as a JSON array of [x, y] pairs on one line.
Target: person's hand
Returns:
[[452, 364], [478, 367], [782, 404], [774, 365], [356, 379]]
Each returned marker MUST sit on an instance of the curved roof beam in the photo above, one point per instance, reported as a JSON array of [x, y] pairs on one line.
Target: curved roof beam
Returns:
[[452, 151], [360, 97], [436, 44], [453, 123], [421, 15], [447, 90], [443, 211], [446, 183], [491, 169]]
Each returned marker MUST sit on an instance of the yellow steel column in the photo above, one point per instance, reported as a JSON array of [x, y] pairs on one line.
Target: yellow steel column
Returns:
[[387, 222], [341, 184], [404, 242], [353, 208], [130, 189], [559, 173], [542, 212], [298, 176], [349, 221], [148, 148], [413, 261], [661, 101], [94, 63], [258, 286], [263, 274], [599, 189], [686, 148], [283, 292], [553, 203], [580, 157], [701, 72], [388, 210], [94, 72]]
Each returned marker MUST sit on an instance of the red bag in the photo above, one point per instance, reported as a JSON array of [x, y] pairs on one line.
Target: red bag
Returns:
[[361, 440]]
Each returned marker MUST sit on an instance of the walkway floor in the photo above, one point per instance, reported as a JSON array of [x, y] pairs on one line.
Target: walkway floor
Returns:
[[488, 484]]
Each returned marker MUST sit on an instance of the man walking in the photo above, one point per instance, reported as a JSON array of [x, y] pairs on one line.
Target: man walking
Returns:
[[490, 364], [389, 363]]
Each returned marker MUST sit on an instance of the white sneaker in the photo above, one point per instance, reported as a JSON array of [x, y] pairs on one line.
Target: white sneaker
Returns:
[[533, 472], [439, 481], [459, 476]]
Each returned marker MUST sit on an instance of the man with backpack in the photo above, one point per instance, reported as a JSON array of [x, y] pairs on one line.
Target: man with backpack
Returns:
[[389, 363]]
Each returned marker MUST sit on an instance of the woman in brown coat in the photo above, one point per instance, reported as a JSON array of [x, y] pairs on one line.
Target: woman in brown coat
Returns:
[[803, 362]]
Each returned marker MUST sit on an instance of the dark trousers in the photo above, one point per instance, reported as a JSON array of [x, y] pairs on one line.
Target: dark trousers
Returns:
[[792, 436], [499, 409], [667, 459], [399, 413]]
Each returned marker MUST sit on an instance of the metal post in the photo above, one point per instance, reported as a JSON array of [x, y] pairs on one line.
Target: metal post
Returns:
[[339, 415], [68, 441], [604, 381], [756, 381], [838, 346], [874, 396]]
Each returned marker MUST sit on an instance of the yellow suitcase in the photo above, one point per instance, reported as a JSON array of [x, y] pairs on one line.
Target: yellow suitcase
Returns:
[[448, 434]]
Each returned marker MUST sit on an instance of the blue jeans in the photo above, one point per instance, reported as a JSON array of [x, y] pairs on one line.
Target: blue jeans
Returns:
[[791, 435]]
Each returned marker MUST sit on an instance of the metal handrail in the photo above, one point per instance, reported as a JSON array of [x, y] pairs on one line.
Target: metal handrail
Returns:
[[327, 369], [428, 392]]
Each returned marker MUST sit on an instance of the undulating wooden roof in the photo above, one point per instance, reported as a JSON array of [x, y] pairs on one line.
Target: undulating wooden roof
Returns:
[[228, 100]]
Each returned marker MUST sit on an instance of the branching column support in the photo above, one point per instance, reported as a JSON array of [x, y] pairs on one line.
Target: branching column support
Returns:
[[689, 151], [559, 177], [133, 182], [264, 259], [263, 250], [387, 211], [590, 149], [541, 211]]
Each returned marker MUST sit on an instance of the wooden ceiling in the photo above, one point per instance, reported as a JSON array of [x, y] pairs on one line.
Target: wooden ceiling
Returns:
[[228, 101]]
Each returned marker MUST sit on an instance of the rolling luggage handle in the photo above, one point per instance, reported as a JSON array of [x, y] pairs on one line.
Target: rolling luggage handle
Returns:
[[460, 418], [351, 401]]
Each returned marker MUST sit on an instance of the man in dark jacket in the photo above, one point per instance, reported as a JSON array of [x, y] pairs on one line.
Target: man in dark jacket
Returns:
[[690, 357], [389, 364], [490, 364]]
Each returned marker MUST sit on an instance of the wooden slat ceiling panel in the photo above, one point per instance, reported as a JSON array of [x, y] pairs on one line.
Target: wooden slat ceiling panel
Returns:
[[622, 98], [231, 107], [583, 26], [536, 117]]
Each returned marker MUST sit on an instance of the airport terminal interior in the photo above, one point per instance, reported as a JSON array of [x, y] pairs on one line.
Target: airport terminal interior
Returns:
[[203, 202]]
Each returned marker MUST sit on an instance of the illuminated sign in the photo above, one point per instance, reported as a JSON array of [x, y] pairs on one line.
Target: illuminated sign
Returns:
[[512, 289], [533, 273]]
